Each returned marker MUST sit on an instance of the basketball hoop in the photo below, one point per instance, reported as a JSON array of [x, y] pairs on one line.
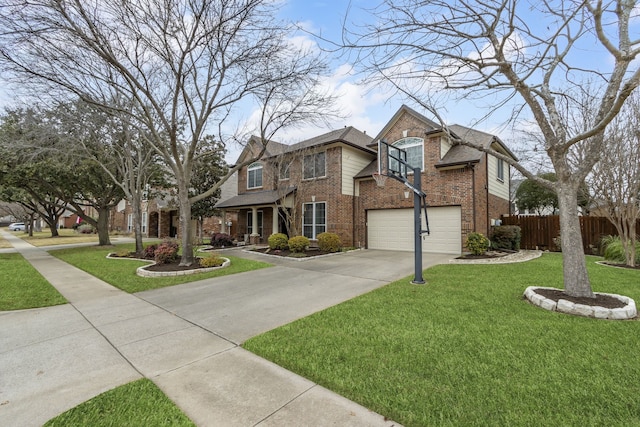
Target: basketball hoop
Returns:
[[380, 179]]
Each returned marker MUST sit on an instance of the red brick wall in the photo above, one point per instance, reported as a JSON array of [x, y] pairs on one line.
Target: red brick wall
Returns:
[[325, 189], [443, 187]]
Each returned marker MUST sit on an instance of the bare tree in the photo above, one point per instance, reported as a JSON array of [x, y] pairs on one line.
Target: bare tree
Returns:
[[188, 68], [525, 58], [615, 179]]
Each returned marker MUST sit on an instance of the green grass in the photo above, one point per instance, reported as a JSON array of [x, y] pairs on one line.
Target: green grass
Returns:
[[23, 287], [466, 349], [139, 403], [122, 273]]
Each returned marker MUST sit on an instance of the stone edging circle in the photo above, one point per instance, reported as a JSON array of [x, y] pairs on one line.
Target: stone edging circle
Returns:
[[629, 311], [141, 271], [520, 256]]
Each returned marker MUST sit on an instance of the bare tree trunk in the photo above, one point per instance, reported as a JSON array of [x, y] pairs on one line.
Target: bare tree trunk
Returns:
[[137, 223], [103, 227], [576, 279], [185, 227]]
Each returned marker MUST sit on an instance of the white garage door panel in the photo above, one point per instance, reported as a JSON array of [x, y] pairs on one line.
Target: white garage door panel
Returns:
[[392, 229]]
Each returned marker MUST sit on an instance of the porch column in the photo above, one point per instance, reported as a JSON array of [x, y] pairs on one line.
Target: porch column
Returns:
[[223, 226], [254, 215], [274, 226]]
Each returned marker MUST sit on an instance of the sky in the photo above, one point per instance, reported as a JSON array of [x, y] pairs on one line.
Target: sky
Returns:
[[367, 109]]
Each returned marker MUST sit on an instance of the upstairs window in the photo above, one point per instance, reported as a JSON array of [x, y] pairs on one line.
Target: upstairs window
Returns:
[[415, 151], [285, 170], [254, 175], [500, 171], [314, 166]]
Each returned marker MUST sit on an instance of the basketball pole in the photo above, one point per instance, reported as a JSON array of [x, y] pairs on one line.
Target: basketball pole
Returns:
[[417, 223]]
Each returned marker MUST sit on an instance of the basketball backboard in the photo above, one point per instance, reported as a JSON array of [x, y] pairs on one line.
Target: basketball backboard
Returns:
[[392, 161]]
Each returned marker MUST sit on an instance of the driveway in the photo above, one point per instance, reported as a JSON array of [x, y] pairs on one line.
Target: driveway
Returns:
[[240, 306]]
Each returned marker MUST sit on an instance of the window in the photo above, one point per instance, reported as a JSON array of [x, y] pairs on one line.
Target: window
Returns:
[[254, 175], [314, 166], [250, 223], [130, 223], [144, 222], [500, 173], [414, 147], [285, 170], [314, 220]]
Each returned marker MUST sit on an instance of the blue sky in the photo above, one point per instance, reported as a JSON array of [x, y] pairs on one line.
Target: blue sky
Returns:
[[367, 109]]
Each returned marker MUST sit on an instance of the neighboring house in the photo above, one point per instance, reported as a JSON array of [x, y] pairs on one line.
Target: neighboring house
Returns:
[[160, 216], [325, 184]]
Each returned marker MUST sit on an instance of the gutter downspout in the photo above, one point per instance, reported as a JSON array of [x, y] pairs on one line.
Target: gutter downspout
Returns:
[[473, 186]]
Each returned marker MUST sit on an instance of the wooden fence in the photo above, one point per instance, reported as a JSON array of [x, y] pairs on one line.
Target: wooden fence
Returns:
[[538, 232]]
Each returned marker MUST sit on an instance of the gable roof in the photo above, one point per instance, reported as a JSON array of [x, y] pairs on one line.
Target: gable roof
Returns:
[[462, 154], [457, 155], [348, 135], [430, 124]]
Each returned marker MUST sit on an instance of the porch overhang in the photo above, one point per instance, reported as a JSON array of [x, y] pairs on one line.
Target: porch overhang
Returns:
[[258, 198]]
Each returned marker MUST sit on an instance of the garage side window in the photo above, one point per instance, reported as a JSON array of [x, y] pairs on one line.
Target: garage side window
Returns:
[[314, 220], [500, 171], [254, 175], [415, 151]]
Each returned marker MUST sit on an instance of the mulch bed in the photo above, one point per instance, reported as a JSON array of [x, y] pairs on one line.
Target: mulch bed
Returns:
[[600, 300], [636, 267], [287, 253], [486, 255], [173, 266]]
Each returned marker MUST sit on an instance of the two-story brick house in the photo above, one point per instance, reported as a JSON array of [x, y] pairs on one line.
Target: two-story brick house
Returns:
[[309, 184], [325, 184]]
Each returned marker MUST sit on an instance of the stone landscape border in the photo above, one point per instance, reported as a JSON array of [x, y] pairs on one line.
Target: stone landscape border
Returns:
[[142, 272], [629, 311]]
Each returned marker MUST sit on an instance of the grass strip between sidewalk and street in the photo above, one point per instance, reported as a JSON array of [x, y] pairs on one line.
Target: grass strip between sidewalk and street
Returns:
[[22, 286], [466, 349], [121, 273], [139, 403]]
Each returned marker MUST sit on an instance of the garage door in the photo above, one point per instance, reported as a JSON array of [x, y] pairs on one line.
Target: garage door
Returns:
[[392, 229]]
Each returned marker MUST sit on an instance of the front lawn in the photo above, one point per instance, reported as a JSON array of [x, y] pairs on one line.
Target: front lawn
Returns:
[[466, 349], [139, 403], [22, 286], [65, 236], [121, 273]]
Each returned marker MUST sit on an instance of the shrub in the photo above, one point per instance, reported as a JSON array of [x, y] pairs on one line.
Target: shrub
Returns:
[[219, 240], [211, 261], [613, 250], [124, 253], [505, 237], [150, 251], [85, 229], [166, 252], [329, 242], [298, 244], [278, 241], [477, 243]]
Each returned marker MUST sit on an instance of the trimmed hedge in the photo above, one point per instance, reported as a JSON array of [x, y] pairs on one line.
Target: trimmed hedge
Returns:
[[278, 241], [506, 237], [329, 242], [298, 244]]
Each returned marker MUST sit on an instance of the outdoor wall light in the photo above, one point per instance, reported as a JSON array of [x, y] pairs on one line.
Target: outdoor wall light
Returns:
[[406, 194]]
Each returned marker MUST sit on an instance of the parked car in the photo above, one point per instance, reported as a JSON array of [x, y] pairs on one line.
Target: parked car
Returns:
[[16, 226]]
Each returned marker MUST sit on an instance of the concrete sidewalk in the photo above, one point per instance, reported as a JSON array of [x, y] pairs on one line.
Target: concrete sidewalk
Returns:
[[183, 338]]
